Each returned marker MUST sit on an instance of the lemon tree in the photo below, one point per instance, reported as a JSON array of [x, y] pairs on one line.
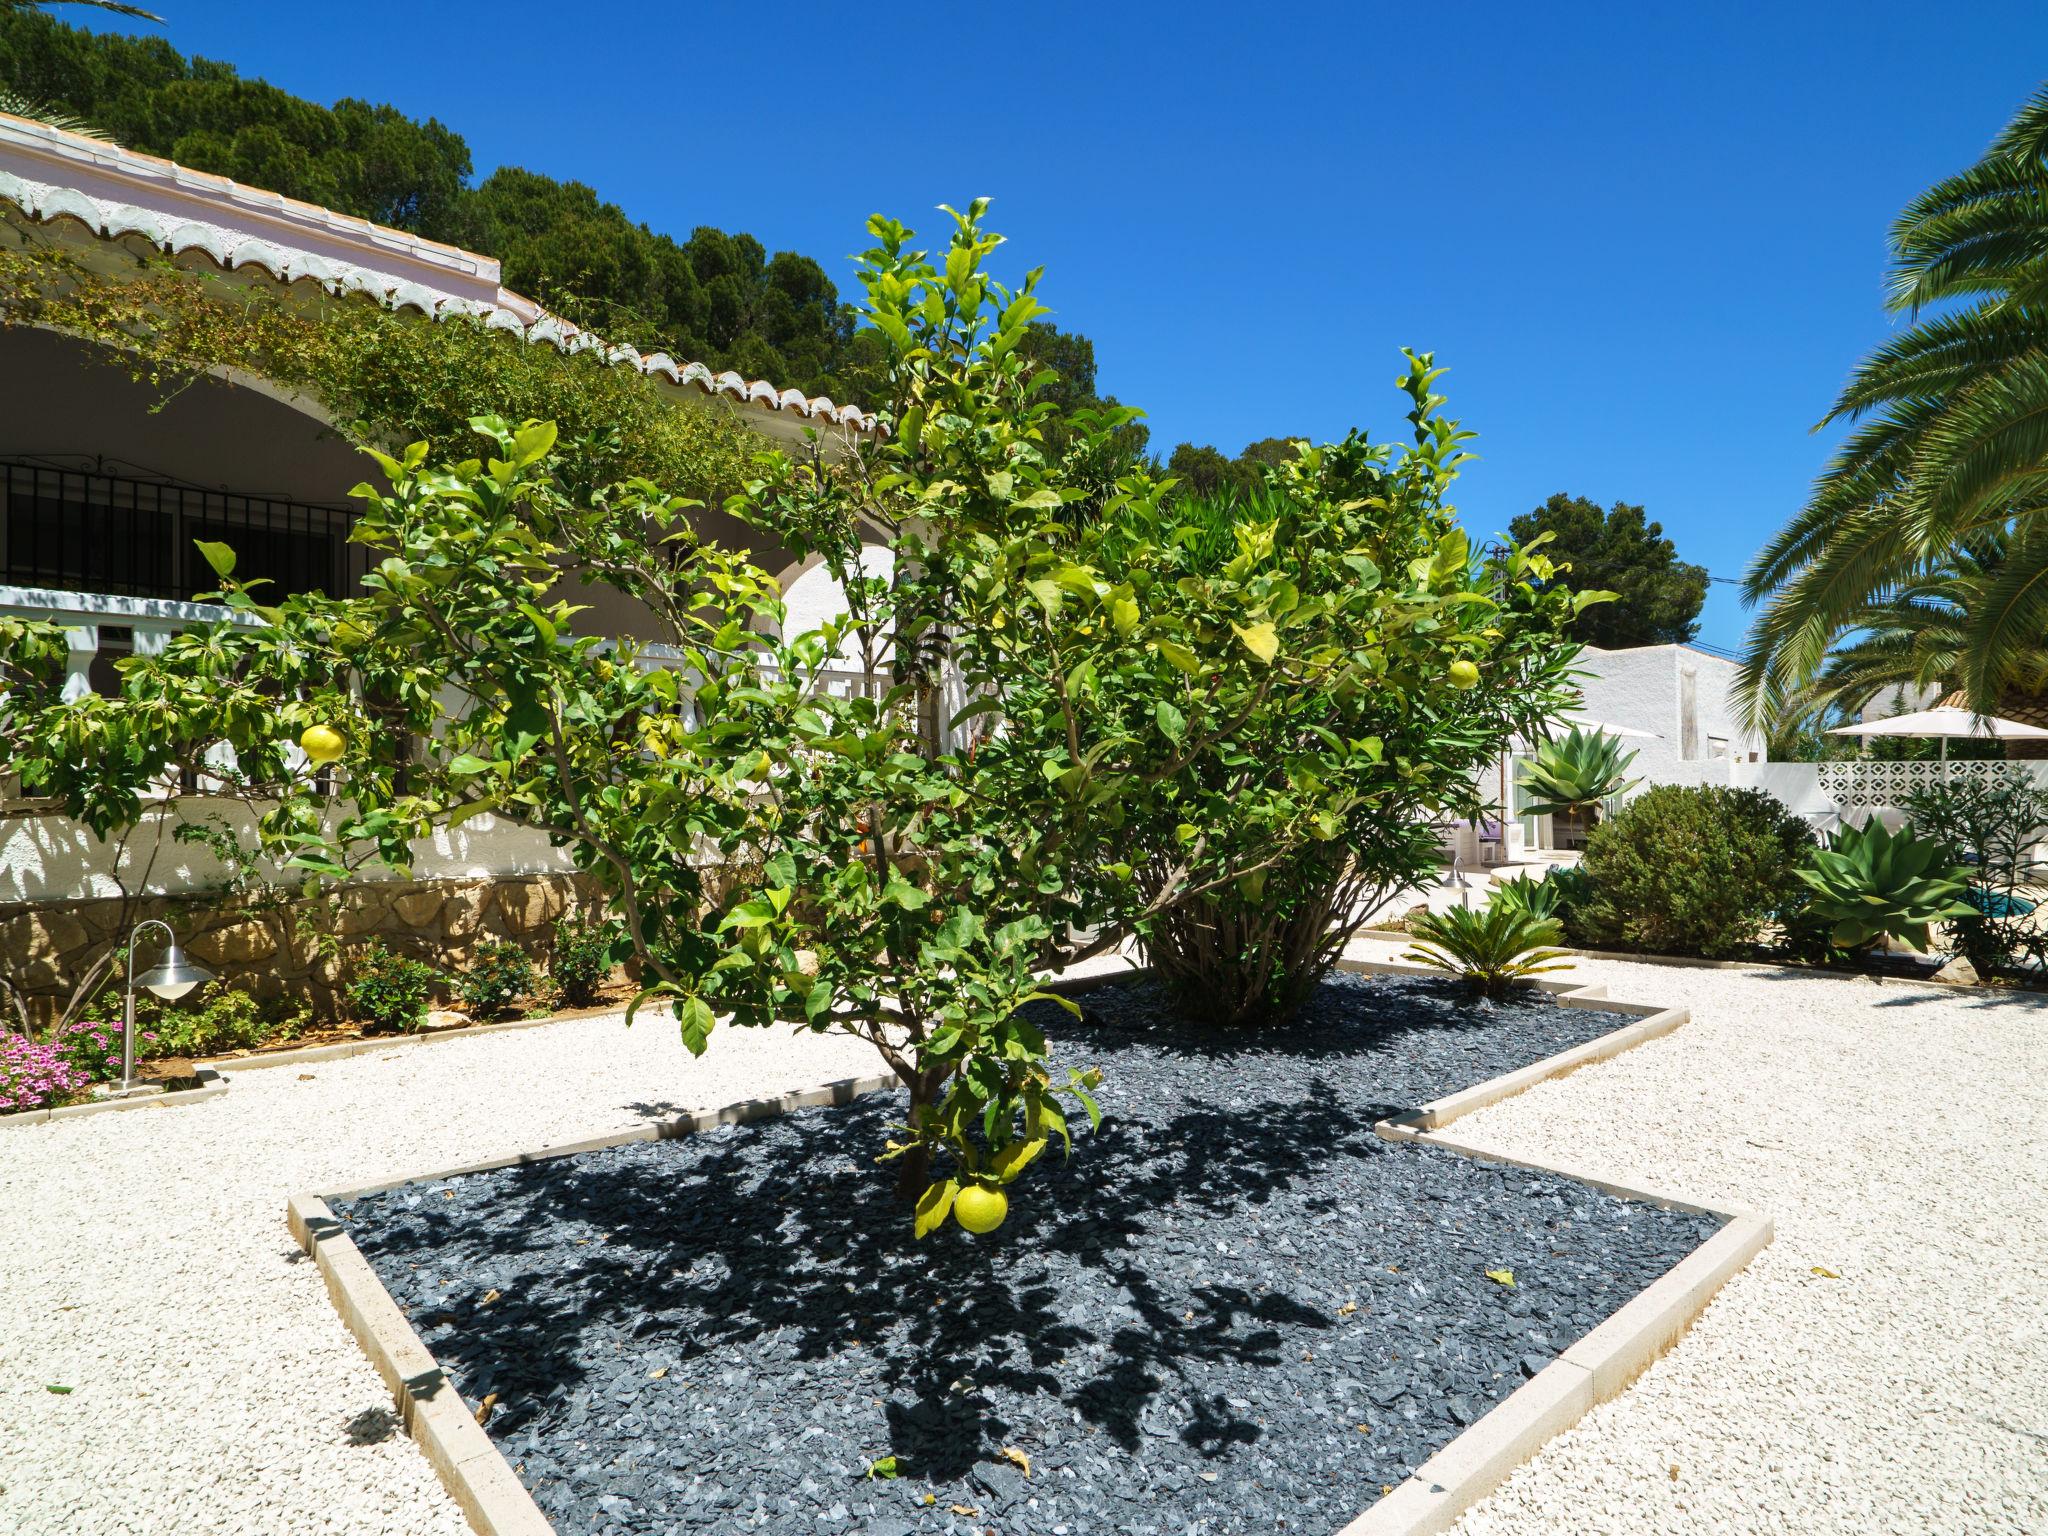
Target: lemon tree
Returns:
[[1095, 724]]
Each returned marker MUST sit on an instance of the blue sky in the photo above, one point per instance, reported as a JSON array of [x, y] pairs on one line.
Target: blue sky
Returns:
[[1647, 239]]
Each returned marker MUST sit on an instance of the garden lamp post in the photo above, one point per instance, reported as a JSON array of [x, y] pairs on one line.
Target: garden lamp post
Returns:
[[170, 979]]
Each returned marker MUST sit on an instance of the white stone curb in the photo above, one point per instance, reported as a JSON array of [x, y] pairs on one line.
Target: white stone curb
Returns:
[[199, 1095]]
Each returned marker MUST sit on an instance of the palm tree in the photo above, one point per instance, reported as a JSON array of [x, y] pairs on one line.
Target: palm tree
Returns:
[[1950, 448]]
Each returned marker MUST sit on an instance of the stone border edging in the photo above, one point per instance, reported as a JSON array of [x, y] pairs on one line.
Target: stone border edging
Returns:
[[469, 1464], [1651, 1021], [182, 1096], [1475, 1462], [1596, 1367], [342, 1049], [1699, 963]]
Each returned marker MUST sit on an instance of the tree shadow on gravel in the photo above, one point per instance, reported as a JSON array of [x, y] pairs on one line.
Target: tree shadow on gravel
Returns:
[[1349, 1015], [785, 1232]]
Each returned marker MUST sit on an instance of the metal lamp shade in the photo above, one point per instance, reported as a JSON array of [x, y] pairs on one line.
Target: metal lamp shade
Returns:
[[174, 975]]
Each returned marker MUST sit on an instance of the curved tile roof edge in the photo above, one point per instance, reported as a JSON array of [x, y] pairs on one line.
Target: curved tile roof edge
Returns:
[[48, 203]]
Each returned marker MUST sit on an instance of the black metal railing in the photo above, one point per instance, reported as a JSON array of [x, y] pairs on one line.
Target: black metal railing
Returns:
[[81, 531]]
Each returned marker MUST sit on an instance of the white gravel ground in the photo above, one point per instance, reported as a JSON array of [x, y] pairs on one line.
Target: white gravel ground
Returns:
[[1896, 1135], [144, 1263]]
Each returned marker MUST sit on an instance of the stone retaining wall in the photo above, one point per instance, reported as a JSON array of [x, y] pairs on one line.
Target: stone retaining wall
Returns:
[[297, 950]]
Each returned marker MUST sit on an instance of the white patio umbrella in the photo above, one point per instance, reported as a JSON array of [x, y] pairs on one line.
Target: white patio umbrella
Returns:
[[1947, 722]]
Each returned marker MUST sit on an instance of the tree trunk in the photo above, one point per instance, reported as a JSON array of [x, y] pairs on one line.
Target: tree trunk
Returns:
[[914, 1166], [913, 1173], [1236, 965]]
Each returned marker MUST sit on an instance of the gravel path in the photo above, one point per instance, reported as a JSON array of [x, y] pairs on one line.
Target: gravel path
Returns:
[[1234, 1311], [144, 1263], [1898, 1135]]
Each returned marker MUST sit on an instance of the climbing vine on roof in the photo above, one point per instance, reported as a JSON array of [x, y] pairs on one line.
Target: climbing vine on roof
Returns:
[[383, 378]]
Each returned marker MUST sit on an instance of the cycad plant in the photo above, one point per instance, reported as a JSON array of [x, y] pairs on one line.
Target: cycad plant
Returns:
[[1869, 883], [1493, 948], [1575, 772], [1950, 446]]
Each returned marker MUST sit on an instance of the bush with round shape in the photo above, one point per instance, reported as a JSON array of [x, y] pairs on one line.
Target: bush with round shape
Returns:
[[586, 949], [1691, 870], [499, 975], [390, 991]]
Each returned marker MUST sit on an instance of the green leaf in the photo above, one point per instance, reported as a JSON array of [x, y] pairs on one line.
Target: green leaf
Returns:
[[542, 625], [526, 723], [1173, 725], [1015, 1158], [1180, 656], [1504, 1277], [935, 1205], [1123, 613], [884, 1467], [1261, 639], [220, 557], [531, 442], [696, 1020], [751, 914], [904, 894]]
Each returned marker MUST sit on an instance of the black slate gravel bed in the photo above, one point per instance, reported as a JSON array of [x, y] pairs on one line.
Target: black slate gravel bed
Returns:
[[1233, 1310]]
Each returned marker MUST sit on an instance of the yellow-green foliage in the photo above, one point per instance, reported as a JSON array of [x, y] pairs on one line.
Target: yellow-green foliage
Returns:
[[385, 379]]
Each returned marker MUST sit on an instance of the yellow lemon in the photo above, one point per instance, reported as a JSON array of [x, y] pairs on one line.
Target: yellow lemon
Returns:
[[1464, 675], [980, 1209], [322, 743]]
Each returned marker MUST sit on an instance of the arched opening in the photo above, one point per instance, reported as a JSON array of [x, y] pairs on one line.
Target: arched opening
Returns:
[[107, 482], [813, 599]]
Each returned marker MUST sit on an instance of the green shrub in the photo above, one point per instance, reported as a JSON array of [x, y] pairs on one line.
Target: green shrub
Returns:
[[388, 990], [1870, 883], [228, 1019], [500, 975], [584, 949], [1993, 823], [1686, 870], [1493, 948], [221, 1018]]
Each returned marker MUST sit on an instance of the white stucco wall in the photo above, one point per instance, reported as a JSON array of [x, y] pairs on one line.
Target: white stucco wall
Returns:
[[1656, 688], [53, 858]]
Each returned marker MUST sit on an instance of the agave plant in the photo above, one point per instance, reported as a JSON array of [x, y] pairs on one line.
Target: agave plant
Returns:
[[1493, 948], [1551, 897], [1870, 883], [1578, 769]]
